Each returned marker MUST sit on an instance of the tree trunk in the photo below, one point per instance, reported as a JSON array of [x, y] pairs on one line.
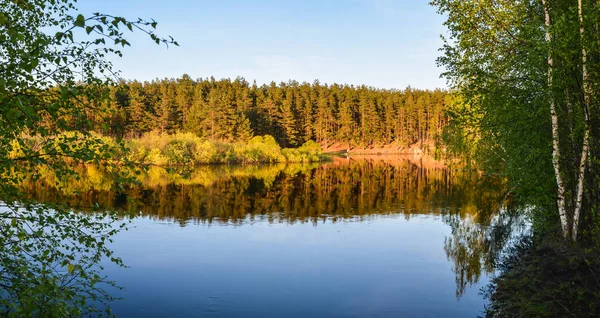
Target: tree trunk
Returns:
[[212, 124], [560, 191], [586, 135]]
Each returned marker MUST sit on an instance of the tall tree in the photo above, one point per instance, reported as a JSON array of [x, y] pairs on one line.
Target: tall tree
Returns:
[[139, 119], [184, 91], [524, 67]]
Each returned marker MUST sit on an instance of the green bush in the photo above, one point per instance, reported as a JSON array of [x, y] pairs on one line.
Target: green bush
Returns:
[[310, 151], [137, 152], [180, 152], [156, 157], [260, 149], [206, 152], [311, 146], [189, 149], [225, 153]]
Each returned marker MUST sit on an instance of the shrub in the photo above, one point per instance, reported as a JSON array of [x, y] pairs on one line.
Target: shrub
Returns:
[[310, 151], [156, 157], [206, 152], [188, 149], [180, 152], [225, 153], [311, 146], [137, 152], [260, 149]]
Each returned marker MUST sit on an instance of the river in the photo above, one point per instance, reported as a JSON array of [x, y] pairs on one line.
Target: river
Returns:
[[349, 238]]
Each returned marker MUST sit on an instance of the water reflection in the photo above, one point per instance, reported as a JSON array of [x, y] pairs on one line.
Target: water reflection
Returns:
[[306, 193], [475, 247], [344, 189]]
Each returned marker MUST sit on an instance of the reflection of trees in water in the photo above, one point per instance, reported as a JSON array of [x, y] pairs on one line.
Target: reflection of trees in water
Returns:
[[343, 189], [478, 241]]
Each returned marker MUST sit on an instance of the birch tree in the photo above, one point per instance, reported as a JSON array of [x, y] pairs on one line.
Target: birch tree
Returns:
[[524, 67], [560, 186], [586, 137]]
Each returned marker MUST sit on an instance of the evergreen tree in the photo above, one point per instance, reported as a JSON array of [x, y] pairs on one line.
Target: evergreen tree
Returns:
[[138, 119], [292, 113], [166, 112], [347, 124], [184, 97], [288, 120]]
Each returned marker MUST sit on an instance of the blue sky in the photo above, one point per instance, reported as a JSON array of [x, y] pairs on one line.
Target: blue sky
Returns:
[[381, 43]]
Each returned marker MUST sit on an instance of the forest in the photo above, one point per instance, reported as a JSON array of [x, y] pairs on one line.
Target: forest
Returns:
[[293, 113]]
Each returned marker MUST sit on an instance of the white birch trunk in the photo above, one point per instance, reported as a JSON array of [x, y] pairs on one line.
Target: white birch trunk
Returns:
[[560, 192], [586, 135]]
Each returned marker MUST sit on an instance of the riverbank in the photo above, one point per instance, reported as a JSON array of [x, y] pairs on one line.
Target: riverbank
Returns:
[[389, 149], [418, 154], [543, 276], [421, 161]]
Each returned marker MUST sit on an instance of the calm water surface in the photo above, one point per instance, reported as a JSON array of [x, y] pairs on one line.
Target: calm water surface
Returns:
[[365, 238]]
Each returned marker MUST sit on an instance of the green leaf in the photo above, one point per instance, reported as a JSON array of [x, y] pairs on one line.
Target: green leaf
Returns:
[[79, 21], [64, 92]]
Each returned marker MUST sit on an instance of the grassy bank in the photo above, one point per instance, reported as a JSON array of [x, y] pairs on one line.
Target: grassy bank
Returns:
[[188, 149]]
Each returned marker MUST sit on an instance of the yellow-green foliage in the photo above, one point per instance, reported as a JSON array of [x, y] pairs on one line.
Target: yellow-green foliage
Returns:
[[225, 153], [177, 149], [188, 149], [309, 152], [260, 149], [15, 150], [206, 152], [67, 146], [155, 156]]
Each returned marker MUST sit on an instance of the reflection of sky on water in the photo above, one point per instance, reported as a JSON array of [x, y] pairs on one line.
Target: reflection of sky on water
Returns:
[[353, 238], [385, 267]]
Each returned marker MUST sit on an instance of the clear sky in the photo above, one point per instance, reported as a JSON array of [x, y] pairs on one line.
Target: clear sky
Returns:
[[381, 43]]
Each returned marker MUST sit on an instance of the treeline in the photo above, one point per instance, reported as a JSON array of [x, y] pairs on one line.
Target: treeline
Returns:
[[293, 113]]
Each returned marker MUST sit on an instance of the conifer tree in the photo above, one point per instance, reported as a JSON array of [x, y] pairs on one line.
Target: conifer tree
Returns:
[[291, 112], [184, 96]]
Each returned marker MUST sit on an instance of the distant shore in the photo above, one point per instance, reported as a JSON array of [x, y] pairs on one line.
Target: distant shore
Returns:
[[388, 153], [390, 149]]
